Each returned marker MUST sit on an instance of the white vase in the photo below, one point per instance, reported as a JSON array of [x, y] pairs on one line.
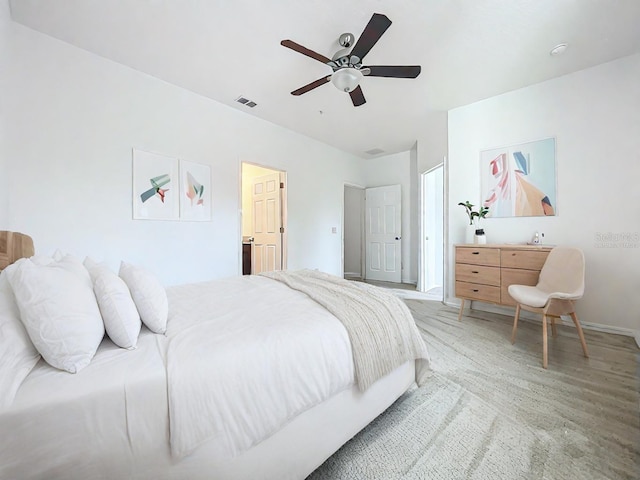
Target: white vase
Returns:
[[470, 234], [480, 239]]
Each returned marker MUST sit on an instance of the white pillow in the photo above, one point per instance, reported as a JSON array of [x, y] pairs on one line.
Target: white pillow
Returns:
[[17, 354], [59, 311], [149, 296], [119, 313], [41, 259]]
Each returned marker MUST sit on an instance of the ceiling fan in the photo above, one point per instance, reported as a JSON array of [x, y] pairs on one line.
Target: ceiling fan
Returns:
[[347, 66]]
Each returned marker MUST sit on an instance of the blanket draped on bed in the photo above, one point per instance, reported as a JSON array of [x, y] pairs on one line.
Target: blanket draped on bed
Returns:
[[246, 355], [381, 328]]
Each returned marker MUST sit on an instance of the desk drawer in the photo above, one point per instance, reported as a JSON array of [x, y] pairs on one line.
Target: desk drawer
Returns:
[[475, 291], [478, 256], [478, 274], [524, 259]]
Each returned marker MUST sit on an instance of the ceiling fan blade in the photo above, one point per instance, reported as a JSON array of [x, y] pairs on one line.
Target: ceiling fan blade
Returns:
[[304, 50], [357, 97], [371, 34], [311, 86], [395, 71]]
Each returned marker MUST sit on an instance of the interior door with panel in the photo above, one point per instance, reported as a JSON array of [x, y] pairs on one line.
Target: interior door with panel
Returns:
[[383, 230], [267, 235]]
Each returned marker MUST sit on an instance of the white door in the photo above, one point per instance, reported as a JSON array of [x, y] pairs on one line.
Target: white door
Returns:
[[267, 237], [432, 269], [383, 223]]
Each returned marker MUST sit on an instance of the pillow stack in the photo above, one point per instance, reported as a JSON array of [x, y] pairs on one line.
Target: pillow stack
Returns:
[[59, 311], [59, 308]]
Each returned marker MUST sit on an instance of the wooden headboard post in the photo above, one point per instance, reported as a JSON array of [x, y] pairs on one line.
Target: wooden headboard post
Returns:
[[14, 246]]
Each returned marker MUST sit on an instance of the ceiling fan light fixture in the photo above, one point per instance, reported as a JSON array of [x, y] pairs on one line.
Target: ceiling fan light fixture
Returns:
[[346, 79]]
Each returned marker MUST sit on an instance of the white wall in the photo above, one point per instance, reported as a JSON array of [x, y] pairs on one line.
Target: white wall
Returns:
[[432, 145], [4, 65], [353, 230], [393, 170], [595, 116], [74, 118]]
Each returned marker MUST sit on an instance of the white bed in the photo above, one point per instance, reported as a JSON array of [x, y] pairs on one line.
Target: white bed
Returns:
[[279, 395]]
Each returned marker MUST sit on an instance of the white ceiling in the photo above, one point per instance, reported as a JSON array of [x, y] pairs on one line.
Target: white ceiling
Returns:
[[468, 49]]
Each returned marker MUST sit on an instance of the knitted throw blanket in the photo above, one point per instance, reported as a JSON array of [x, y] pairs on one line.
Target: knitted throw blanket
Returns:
[[381, 328]]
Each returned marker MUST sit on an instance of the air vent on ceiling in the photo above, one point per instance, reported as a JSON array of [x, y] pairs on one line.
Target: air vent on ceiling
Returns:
[[246, 101], [374, 151]]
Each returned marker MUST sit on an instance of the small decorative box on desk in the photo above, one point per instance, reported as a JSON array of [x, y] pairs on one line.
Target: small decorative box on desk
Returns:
[[484, 272]]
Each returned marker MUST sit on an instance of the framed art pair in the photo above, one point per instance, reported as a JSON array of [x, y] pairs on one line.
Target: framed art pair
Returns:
[[168, 188]]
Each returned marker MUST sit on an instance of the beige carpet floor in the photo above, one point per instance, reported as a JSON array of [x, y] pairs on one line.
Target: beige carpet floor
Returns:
[[491, 411]]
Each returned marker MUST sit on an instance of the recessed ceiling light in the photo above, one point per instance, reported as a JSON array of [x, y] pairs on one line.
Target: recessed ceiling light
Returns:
[[558, 49]]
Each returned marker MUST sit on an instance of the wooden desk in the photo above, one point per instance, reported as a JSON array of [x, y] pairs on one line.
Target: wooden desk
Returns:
[[484, 272]]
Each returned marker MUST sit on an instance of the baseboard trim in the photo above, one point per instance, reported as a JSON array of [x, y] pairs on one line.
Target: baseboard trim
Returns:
[[596, 327]]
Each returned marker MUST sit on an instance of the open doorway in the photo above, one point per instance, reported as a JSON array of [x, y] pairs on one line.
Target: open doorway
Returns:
[[371, 242], [431, 272], [353, 231], [264, 219]]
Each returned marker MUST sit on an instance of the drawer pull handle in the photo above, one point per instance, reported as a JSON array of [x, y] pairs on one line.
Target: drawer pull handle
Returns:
[[474, 271], [513, 254], [476, 290], [475, 253]]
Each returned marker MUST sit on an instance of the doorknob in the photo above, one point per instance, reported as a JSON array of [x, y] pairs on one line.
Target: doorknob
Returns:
[[398, 238]]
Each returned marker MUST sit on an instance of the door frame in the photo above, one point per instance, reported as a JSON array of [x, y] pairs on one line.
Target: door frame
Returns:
[[283, 211], [362, 232], [421, 247]]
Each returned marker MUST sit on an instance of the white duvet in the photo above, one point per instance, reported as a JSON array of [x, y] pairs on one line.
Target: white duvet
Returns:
[[240, 359], [236, 376]]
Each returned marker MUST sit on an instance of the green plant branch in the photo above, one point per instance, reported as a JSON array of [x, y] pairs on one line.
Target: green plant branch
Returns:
[[482, 213]]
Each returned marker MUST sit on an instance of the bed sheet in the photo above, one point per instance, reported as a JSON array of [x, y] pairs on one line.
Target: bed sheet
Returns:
[[58, 420]]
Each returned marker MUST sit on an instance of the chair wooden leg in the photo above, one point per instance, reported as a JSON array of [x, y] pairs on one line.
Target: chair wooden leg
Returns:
[[554, 330], [580, 333], [515, 324], [461, 309], [544, 341]]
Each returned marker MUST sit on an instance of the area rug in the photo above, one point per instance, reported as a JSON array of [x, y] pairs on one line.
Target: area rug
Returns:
[[490, 411]]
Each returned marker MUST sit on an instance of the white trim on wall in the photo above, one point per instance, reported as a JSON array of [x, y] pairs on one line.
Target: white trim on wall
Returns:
[[532, 317]]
